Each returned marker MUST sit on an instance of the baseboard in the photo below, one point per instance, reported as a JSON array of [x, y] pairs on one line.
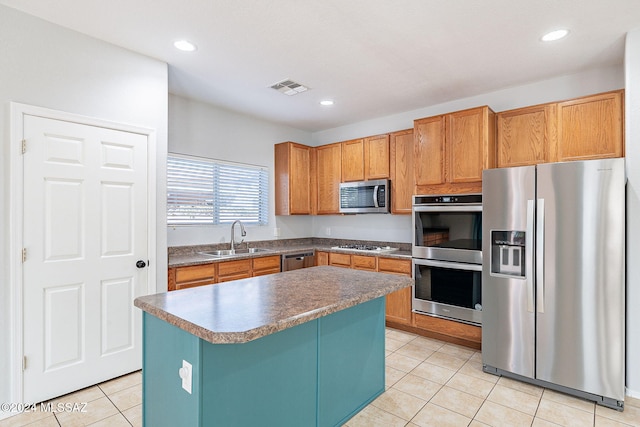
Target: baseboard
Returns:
[[430, 334], [632, 393]]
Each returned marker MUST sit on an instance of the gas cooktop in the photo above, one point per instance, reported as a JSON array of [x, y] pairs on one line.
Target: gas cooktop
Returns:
[[366, 248]]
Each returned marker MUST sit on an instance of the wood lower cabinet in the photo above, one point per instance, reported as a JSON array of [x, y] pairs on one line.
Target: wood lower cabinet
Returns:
[[340, 260], [591, 127], [294, 180], [191, 276], [234, 270], [401, 171], [328, 168], [399, 302], [452, 150], [363, 262], [322, 258], [447, 330], [265, 265], [223, 271]]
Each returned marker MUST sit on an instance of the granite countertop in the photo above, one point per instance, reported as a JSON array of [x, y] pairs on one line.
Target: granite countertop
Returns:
[[248, 309], [192, 257]]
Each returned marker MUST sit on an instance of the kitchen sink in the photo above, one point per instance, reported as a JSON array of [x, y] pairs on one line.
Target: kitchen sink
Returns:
[[229, 252]]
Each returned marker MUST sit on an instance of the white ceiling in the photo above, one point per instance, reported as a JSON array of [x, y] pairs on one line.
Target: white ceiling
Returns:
[[373, 57]]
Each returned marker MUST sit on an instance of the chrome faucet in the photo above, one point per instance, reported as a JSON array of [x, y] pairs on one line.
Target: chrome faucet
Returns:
[[233, 234]]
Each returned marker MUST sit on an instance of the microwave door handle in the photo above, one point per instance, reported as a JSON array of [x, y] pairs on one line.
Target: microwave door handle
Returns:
[[375, 196]]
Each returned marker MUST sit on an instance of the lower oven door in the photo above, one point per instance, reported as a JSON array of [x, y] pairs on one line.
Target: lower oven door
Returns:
[[448, 289]]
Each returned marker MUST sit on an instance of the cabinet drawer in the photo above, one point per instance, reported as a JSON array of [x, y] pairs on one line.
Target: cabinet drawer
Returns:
[[194, 284], [392, 265], [340, 260], [195, 272], [229, 268], [266, 271], [362, 262], [231, 277], [267, 262]]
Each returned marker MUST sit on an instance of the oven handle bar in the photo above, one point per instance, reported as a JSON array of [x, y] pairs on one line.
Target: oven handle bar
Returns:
[[448, 208], [445, 264]]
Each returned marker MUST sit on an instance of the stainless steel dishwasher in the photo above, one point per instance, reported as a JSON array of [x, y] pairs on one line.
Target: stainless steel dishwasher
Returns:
[[298, 260]]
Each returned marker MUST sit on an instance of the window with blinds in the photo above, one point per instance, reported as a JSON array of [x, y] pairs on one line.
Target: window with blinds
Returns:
[[205, 191]]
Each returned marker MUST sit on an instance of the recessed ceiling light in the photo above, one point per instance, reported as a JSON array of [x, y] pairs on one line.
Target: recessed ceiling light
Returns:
[[184, 45], [326, 102], [554, 35]]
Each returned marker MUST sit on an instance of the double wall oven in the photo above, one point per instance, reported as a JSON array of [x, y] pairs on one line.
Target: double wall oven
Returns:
[[447, 256]]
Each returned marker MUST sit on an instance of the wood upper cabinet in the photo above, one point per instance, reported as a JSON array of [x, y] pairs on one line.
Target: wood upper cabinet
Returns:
[[591, 127], [471, 139], [365, 158], [328, 169], [353, 160], [452, 150], [526, 136], [376, 157], [294, 186], [429, 136], [401, 171]]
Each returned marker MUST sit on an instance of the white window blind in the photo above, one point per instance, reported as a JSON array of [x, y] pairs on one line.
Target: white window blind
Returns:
[[206, 191]]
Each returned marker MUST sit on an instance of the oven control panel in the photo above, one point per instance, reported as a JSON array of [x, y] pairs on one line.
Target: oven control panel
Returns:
[[450, 199]]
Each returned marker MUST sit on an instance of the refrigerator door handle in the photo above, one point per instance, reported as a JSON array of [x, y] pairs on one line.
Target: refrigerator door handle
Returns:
[[529, 257], [540, 256]]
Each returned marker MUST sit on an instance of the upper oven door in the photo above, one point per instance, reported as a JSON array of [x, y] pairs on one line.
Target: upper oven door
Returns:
[[364, 196], [448, 232]]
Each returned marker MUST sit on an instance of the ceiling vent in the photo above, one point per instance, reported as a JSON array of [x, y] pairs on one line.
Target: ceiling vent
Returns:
[[289, 87]]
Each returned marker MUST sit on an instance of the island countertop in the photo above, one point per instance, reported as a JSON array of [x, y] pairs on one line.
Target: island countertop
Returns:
[[248, 309]]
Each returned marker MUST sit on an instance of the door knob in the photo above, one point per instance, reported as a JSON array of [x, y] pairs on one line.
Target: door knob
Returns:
[[141, 264]]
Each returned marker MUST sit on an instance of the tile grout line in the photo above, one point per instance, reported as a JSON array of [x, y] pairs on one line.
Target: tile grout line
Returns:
[[113, 403]]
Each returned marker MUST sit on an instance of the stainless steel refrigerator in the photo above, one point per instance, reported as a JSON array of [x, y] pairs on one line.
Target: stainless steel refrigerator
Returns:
[[553, 287]]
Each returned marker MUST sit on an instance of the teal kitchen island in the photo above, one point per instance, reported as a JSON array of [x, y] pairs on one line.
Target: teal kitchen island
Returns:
[[300, 348]]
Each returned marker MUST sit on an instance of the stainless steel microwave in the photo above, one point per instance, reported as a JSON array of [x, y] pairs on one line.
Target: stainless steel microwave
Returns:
[[365, 197]]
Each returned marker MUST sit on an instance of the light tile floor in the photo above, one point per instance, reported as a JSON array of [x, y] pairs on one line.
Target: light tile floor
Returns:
[[429, 383], [116, 403]]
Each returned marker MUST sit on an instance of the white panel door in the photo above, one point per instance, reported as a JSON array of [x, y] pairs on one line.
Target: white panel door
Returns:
[[85, 227]]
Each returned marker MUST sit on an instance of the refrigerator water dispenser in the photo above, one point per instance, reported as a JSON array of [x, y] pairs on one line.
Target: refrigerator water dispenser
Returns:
[[508, 253]]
